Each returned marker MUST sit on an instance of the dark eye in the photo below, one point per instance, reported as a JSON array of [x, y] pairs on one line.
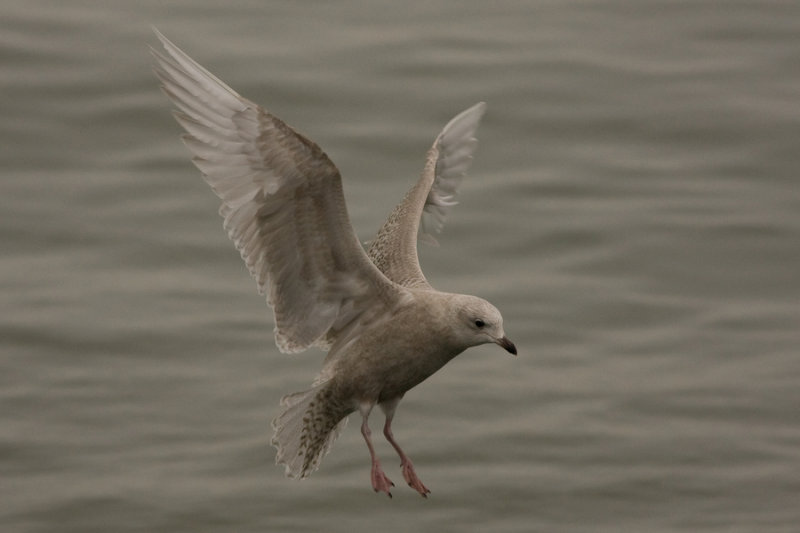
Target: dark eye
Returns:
[[479, 323]]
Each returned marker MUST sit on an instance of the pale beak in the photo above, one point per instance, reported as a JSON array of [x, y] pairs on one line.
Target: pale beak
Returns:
[[508, 345]]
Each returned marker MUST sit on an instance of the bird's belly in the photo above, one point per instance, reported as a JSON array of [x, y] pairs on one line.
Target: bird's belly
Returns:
[[384, 375]]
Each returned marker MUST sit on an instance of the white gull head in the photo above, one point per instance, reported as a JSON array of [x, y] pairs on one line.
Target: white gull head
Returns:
[[479, 322]]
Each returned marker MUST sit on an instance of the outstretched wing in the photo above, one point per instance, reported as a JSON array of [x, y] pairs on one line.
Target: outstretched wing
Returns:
[[394, 250], [283, 207]]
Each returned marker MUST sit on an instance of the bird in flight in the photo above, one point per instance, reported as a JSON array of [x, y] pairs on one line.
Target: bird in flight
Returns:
[[386, 329]]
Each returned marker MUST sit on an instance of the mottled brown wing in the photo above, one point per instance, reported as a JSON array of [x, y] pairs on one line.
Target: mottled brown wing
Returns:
[[283, 207], [394, 250]]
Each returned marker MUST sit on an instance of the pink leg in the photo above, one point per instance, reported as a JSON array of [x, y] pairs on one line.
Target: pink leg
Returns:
[[405, 463], [380, 482]]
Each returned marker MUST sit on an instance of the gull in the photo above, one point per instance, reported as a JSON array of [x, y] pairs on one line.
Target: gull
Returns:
[[386, 329]]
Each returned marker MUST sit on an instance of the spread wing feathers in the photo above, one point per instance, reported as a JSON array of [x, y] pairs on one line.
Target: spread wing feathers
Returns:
[[394, 250], [283, 207]]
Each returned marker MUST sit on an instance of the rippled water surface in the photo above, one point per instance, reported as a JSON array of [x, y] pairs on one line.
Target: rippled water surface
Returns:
[[633, 209]]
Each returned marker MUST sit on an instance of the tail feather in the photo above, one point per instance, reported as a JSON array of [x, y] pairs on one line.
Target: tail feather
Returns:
[[306, 429]]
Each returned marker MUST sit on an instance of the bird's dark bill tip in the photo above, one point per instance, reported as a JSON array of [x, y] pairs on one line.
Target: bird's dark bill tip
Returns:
[[508, 345]]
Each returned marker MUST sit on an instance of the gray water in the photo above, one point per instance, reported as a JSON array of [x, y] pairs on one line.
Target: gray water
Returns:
[[633, 210]]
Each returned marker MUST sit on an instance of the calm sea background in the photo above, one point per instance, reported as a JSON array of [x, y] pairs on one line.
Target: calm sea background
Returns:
[[633, 210]]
